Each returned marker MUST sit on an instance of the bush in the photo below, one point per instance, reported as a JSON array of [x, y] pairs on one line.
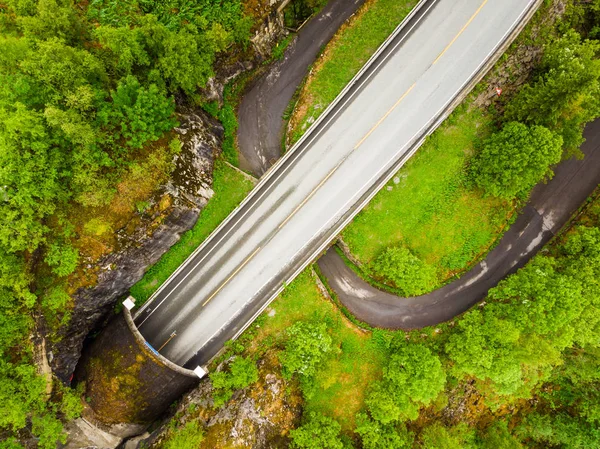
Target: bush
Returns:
[[375, 435], [406, 271], [187, 437], [515, 159], [566, 95], [305, 348], [240, 373], [319, 432], [413, 377]]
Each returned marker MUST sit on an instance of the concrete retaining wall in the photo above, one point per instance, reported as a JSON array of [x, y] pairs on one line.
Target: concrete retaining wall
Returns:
[[125, 381]]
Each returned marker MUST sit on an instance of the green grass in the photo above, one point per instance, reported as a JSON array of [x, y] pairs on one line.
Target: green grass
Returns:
[[342, 381], [230, 188], [432, 209], [344, 57]]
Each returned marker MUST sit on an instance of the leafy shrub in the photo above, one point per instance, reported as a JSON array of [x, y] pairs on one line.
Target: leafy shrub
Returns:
[[375, 435], [305, 348], [406, 271], [138, 114], [62, 258], [413, 377], [240, 373], [187, 437], [566, 95], [318, 432], [515, 159]]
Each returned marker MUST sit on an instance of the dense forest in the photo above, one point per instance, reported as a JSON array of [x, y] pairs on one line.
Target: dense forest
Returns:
[[86, 90]]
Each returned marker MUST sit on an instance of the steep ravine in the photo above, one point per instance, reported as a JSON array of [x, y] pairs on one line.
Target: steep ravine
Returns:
[[187, 192]]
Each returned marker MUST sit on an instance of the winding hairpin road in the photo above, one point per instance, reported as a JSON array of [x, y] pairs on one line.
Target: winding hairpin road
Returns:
[[549, 208]]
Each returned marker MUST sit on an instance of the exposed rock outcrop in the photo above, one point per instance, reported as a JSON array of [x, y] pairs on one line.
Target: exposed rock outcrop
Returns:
[[257, 417], [188, 191], [266, 35]]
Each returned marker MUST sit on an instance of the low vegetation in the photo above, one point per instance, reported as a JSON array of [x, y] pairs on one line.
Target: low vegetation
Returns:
[[230, 188], [453, 200]]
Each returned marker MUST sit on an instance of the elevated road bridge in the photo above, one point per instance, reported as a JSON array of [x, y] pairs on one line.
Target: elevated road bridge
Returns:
[[304, 200]]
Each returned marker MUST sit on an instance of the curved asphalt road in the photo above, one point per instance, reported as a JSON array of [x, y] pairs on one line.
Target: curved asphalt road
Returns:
[[550, 207], [302, 203], [261, 124]]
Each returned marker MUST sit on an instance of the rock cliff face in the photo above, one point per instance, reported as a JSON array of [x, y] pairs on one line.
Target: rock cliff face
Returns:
[[257, 417], [188, 191], [268, 33], [186, 194]]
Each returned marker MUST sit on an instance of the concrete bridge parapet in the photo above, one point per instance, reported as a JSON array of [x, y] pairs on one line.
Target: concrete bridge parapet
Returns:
[[128, 384]]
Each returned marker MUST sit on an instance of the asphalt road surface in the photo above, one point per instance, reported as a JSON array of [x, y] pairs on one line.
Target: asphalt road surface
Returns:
[[550, 207], [303, 202], [261, 126]]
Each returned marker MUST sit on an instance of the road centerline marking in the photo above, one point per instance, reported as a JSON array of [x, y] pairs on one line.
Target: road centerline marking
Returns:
[[173, 335], [232, 275], [310, 195], [460, 32], [384, 117]]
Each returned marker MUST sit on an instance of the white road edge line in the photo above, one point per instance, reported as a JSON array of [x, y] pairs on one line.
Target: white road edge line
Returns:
[[317, 123], [380, 185]]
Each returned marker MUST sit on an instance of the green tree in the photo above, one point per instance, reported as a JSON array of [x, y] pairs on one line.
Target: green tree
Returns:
[[318, 432], [305, 348], [516, 339], [375, 435], [138, 114], [30, 176], [240, 373], [49, 19], [560, 429], [566, 95], [188, 436], [497, 436], [62, 258], [515, 159], [413, 377], [406, 271]]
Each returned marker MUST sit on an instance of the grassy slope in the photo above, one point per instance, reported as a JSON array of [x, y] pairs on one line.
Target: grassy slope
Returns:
[[343, 379], [431, 210], [230, 188]]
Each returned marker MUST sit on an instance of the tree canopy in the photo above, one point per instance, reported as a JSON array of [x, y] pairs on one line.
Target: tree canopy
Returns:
[[318, 432], [406, 271], [565, 96], [413, 377], [85, 88], [515, 159]]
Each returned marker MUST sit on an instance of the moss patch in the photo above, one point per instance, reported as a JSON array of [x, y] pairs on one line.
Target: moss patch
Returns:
[[230, 187], [341, 382]]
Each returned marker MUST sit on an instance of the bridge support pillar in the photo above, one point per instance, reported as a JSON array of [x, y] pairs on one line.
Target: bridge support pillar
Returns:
[[127, 384]]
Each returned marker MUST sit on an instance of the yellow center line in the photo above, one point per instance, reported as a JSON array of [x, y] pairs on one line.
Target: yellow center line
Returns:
[[460, 32], [384, 117], [309, 196], [230, 277]]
